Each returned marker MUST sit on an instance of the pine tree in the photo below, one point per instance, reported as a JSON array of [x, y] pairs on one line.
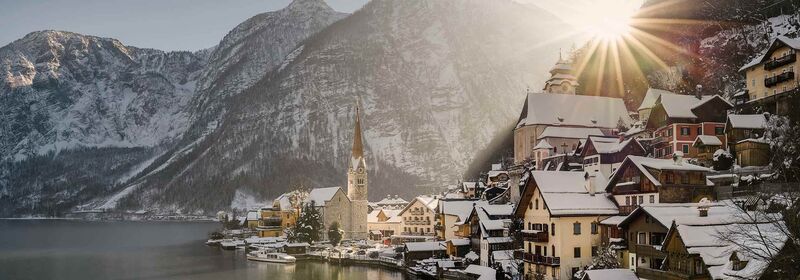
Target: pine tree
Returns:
[[308, 226], [335, 234]]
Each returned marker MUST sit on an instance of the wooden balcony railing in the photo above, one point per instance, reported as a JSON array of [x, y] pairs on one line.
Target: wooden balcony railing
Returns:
[[539, 259], [781, 61], [541, 236], [785, 76], [648, 251]]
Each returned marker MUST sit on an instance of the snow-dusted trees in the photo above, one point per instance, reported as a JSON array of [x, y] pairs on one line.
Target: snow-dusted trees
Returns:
[[308, 226], [335, 234], [605, 258], [783, 135], [722, 160]]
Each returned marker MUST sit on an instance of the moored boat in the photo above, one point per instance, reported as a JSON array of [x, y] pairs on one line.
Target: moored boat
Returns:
[[263, 256]]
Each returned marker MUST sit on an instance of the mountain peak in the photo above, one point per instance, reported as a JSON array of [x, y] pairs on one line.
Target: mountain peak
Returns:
[[308, 4]]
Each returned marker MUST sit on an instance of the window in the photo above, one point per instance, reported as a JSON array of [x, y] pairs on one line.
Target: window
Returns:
[[652, 198], [642, 238], [577, 252], [530, 206], [754, 82], [633, 200], [594, 251], [685, 149], [594, 228], [685, 179], [553, 229], [669, 132], [530, 227], [698, 267], [537, 203], [719, 130], [700, 130], [576, 228], [553, 250], [685, 131], [627, 200], [669, 179], [545, 250]]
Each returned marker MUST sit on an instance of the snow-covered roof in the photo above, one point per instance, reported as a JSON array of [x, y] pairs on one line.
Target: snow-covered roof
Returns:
[[610, 274], [660, 164], [565, 193], [793, 43], [485, 273], [755, 121], [284, 202], [685, 213], [499, 255], [459, 208], [428, 201], [498, 209], [651, 97], [425, 246], [495, 173], [543, 145], [321, 195], [392, 201], [460, 241], [574, 110], [705, 241], [569, 132], [610, 145], [499, 239], [680, 106], [707, 140], [613, 220], [392, 215]]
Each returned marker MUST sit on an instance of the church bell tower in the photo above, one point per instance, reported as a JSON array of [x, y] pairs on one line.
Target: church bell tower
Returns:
[[357, 170]]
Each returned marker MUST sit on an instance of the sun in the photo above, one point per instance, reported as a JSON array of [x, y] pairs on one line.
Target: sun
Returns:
[[605, 19]]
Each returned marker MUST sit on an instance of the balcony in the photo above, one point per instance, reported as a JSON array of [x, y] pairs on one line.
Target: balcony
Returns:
[[781, 61], [649, 251], [417, 212], [539, 259], [418, 223], [530, 236], [627, 209], [785, 76], [270, 222]]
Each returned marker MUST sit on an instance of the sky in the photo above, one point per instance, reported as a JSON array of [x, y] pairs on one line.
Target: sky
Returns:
[[161, 24]]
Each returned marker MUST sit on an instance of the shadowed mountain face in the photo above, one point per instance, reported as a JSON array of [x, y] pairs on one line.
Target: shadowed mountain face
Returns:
[[272, 108]]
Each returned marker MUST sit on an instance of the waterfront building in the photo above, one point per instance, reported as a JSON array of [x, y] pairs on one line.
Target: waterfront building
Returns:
[[490, 230], [561, 214], [771, 78], [419, 216], [383, 223], [251, 220], [643, 181], [453, 215]]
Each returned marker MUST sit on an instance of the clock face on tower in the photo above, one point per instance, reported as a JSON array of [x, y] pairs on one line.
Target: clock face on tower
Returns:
[[360, 170]]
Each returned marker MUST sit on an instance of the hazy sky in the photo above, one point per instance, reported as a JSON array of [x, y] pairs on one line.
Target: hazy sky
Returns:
[[160, 24]]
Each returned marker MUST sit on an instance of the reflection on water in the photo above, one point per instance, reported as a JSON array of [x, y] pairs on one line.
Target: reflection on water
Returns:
[[60, 249]]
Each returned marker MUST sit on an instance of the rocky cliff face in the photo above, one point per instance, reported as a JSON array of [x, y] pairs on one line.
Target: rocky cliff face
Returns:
[[268, 109], [437, 80]]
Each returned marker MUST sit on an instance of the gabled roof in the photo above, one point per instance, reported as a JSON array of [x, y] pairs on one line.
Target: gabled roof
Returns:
[[392, 215], [642, 163], [684, 106], [459, 208], [573, 110], [789, 42], [543, 145], [610, 274], [707, 140], [610, 145], [681, 213], [755, 121], [565, 194], [392, 201], [425, 246], [651, 97], [428, 201], [569, 132], [321, 195]]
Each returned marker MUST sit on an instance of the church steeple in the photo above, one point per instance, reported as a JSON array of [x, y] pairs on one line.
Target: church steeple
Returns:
[[357, 183]]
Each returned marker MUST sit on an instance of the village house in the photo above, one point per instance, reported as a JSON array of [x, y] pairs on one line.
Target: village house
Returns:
[[275, 220], [418, 218], [745, 134], [643, 181], [383, 223], [560, 140], [706, 147], [646, 229], [770, 78], [709, 246], [561, 214], [610, 274], [603, 155], [489, 230], [252, 219], [416, 251], [453, 215], [559, 106], [677, 120], [649, 102]]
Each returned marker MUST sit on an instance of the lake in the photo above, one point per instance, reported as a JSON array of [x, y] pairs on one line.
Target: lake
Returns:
[[73, 249]]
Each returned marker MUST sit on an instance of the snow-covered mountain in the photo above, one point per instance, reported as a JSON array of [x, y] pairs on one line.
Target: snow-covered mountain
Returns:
[[269, 108], [437, 80]]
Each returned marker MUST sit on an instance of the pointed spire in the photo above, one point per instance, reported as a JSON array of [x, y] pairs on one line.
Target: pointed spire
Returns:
[[358, 147]]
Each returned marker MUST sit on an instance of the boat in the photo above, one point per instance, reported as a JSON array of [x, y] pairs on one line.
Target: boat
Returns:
[[263, 256]]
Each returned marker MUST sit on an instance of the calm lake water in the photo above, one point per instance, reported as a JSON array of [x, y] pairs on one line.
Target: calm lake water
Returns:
[[68, 249]]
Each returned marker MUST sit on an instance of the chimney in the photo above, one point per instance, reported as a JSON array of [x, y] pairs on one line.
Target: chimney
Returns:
[[589, 183], [698, 92], [677, 157], [702, 207]]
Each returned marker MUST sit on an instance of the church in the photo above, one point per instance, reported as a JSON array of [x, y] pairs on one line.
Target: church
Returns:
[[349, 209], [559, 113]]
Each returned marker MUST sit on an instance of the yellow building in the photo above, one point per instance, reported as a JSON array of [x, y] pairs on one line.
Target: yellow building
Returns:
[[419, 217], [771, 77], [561, 214], [274, 220]]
